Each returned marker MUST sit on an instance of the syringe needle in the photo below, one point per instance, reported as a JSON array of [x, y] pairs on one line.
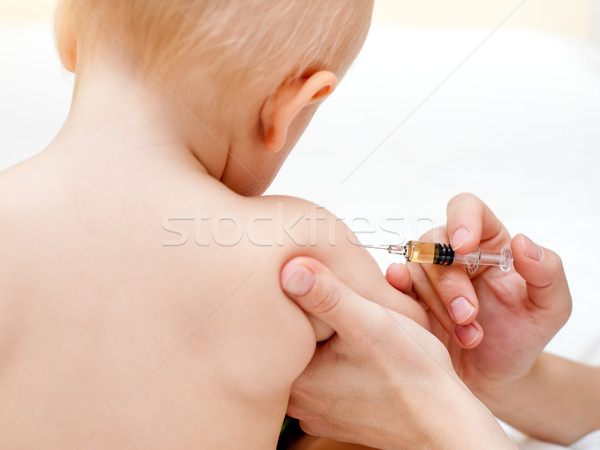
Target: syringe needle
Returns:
[[375, 247], [392, 249]]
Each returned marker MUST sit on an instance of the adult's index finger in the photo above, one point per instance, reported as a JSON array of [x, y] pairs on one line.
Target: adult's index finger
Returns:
[[470, 222]]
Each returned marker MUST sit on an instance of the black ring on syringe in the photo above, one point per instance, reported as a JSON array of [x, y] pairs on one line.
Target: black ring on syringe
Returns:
[[444, 255]]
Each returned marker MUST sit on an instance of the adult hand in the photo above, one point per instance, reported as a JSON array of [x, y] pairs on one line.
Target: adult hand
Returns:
[[519, 311], [381, 380]]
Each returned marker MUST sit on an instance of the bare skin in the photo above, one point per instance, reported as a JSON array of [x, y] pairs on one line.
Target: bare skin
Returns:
[[93, 304], [381, 380], [113, 337]]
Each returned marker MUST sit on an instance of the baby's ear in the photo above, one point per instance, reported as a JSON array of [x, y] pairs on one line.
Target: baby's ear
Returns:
[[281, 107]]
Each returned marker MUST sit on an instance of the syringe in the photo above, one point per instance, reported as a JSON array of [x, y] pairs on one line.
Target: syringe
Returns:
[[442, 254]]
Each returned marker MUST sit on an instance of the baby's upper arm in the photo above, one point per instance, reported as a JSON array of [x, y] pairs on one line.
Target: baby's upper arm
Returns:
[[310, 230]]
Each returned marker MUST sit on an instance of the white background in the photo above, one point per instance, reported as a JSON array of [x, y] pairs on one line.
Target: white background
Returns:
[[518, 124]]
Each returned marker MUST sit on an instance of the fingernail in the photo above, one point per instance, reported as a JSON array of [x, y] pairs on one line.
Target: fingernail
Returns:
[[461, 309], [532, 251], [459, 237], [299, 281], [467, 334]]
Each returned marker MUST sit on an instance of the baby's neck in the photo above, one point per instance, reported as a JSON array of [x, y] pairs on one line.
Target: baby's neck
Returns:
[[115, 112]]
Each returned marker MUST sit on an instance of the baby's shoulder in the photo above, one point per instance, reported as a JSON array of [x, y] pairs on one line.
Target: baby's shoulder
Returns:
[[231, 235], [292, 222], [247, 225]]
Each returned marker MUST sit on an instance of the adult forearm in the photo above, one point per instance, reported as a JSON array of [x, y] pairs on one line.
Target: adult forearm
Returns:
[[558, 401]]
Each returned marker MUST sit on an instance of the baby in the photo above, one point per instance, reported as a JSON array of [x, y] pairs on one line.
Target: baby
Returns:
[[140, 296]]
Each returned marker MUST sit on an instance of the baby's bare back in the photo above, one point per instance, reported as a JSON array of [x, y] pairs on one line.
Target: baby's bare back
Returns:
[[124, 324]]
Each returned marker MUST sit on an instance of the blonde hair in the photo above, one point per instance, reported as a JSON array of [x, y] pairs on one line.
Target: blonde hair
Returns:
[[227, 38]]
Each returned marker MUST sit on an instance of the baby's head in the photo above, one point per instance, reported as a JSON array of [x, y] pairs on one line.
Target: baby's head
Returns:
[[251, 71]]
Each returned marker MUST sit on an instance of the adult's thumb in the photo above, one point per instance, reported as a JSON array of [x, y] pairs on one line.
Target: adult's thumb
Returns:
[[543, 271], [321, 294]]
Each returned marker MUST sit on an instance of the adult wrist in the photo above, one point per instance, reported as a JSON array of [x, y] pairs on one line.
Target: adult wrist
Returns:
[[502, 396], [451, 417], [472, 425]]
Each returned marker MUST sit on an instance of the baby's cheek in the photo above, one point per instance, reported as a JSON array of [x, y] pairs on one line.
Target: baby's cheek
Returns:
[[322, 330]]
